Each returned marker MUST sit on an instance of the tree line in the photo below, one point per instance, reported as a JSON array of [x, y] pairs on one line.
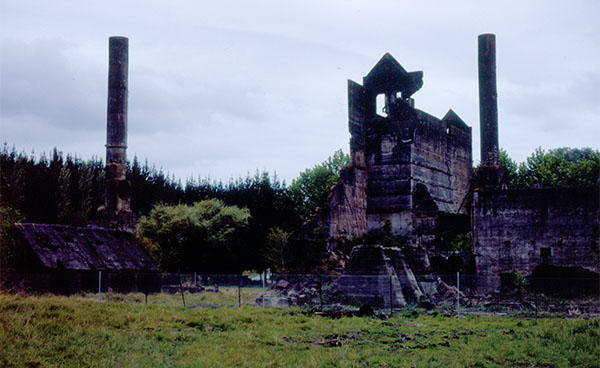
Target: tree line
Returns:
[[209, 226], [559, 167], [61, 189]]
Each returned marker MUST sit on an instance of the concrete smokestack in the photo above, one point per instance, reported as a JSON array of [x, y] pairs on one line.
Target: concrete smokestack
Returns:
[[118, 189], [488, 100]]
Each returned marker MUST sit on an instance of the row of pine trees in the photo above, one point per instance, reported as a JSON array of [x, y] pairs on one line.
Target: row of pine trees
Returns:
[[68, 190]]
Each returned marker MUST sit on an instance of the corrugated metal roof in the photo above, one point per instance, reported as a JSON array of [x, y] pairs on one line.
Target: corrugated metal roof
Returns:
[[86, 248]]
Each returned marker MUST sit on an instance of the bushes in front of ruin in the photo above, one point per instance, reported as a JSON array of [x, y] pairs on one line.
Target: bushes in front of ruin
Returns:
[[462, 242], [275, 252], [383, 236], [306, 251], [206, 237]]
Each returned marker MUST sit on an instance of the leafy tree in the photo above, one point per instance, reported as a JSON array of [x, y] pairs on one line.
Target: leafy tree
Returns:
[[307, 253], [510, 167], [206, 237], [560, 167], [277, 249], [554, 168], [312, 187]]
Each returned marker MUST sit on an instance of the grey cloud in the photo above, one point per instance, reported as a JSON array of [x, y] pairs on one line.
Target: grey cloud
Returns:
[[40, 81]]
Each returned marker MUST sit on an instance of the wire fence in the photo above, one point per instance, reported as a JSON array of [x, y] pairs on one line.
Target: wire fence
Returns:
[[458, 293]]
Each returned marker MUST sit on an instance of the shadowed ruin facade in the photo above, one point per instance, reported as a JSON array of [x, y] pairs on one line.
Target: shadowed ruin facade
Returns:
[[407, 166], [516, 231]]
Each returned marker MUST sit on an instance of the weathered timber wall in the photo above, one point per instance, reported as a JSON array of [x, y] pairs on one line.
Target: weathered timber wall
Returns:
[[515, 231]]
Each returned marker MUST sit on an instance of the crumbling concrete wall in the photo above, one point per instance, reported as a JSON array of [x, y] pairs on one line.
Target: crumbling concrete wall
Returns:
[[514, 231], [406, 165], [417, 165], [347, 205], [441, 159], [344, 215]]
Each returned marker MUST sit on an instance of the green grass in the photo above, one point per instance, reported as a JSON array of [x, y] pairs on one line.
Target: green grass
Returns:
[[75, 332], [225, 297]]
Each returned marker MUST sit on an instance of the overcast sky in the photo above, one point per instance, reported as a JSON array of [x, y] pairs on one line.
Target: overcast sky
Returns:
[[223, 88]]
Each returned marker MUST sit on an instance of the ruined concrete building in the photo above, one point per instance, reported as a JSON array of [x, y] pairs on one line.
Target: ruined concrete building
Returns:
[[410, 175], [408, 168]]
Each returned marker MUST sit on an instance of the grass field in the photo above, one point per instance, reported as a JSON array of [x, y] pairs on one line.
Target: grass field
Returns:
[[225, 297], [78, 332]]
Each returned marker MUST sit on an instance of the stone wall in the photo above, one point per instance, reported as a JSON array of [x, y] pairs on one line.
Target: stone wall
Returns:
[[514, 231], [441, 159], [346, 210]]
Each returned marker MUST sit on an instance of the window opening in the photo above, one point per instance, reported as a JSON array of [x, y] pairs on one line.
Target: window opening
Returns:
[[381, 108]]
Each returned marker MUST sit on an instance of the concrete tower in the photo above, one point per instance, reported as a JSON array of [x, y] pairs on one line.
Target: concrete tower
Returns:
[[488, 99], [117, 211], [489, 171]]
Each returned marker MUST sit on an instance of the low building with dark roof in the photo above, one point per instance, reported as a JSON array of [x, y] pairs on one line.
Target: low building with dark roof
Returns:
[[69, 259]]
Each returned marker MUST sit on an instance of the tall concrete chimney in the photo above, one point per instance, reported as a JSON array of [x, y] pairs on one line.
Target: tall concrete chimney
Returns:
[[488, 100], [118, 189]]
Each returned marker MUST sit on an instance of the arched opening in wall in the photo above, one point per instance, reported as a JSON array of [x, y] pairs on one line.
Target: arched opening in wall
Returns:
[[380, 106]]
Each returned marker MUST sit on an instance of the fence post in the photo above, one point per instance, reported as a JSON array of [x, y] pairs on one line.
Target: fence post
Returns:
[[263, 275], [391, 297], [181, 289], [99, 283], [239, 291], [457, 293], [320, 292], [535, 299]]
